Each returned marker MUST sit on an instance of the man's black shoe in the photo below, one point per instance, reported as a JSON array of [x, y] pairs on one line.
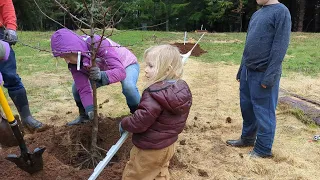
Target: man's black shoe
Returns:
[[241, 142], [254, 154]]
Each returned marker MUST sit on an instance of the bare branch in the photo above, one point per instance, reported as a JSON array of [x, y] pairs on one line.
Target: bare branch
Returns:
[[47, 15], [115, 23], [101, 38], [122, 31], [73, 16], [101, 149], [117, 11], [86, 6], [89, 12]]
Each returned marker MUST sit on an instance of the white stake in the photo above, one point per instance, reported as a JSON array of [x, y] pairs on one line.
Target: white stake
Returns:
[[185, 38], [78, 60], [187, 55]]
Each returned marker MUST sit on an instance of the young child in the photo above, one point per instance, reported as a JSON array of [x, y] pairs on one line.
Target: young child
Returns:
[[259, 76], [114, 64], [160, 117]]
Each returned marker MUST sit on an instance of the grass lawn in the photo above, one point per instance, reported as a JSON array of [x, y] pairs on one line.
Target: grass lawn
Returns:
[[302, 56], [33, 65]]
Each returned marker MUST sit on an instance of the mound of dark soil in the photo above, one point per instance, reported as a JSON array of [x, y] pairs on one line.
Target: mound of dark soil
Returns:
[[197, 51], [65, 151]]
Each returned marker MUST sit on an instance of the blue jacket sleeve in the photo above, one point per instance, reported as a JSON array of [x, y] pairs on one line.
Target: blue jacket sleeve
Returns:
[[279, 46]]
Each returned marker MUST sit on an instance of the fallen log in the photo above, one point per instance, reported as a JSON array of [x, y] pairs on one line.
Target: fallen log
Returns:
[[309, 109]]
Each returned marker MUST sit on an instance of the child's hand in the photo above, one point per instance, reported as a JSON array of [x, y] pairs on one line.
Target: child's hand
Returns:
[[91, 115], [95, 73], [90, 111], [120, 129]]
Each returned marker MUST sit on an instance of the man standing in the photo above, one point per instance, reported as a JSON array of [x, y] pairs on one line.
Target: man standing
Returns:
[[8, 68], [259, 76]]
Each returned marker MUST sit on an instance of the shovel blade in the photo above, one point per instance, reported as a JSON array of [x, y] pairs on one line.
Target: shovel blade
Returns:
[[7, 138], [29, 162]]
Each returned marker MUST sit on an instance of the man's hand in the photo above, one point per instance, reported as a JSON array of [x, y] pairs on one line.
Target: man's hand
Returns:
[[10, 36], [264, 86], [95, 73]]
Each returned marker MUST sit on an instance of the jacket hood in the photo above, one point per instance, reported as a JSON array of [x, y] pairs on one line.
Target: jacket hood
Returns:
[[66, 41], [173, 96]]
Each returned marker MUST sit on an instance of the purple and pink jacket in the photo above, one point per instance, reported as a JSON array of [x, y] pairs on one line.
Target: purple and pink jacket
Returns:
[[4, 54], [113, 59]]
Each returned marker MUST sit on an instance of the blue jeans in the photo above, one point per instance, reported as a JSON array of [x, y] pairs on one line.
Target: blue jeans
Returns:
[[129, 87], [258, 106], [8, 68]]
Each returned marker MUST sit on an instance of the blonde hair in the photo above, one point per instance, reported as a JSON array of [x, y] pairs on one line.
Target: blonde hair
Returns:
[[167, 61]]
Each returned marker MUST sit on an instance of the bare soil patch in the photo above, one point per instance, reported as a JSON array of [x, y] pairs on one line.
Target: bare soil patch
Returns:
[[185, 48], [201, 150]]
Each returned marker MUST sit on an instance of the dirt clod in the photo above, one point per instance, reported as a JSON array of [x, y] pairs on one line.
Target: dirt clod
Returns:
[[202, 173], [183, 142], [54, 118], [228, 120], [176, 163]]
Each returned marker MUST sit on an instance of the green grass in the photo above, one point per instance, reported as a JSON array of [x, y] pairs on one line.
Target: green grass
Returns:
[[303, 54]]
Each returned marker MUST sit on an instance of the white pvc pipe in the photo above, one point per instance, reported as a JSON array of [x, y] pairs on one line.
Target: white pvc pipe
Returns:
[[113, 150]]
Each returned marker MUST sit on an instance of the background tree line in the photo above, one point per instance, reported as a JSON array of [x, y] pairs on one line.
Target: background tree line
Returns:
[[179, 15]]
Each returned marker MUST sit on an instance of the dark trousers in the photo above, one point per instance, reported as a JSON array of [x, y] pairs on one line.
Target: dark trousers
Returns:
[[258, 106]]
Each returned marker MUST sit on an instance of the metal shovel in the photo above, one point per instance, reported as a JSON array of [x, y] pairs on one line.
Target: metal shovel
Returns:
[[187, 55], [29, 162]]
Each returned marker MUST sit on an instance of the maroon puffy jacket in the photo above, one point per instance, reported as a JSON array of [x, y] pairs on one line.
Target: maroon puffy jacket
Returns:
[[161, 115]]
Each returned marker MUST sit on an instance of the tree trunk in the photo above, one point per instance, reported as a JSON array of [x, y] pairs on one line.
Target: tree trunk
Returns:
[[316, 16], [240, 14], [41, 24], [301, 13], [94, 87], [168, 6]]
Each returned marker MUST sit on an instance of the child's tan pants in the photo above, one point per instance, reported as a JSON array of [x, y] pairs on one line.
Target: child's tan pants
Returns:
[[148, 164]]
